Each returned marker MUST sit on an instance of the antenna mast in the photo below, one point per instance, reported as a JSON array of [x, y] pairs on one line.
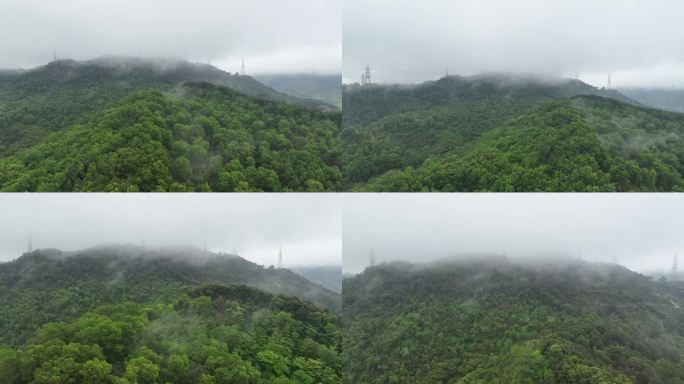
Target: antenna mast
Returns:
[[675, 274], [30, 244], [372, 257], [609, 80], [243, 67]]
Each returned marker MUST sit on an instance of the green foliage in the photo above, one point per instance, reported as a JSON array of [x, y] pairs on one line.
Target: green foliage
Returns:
[[493, 321]]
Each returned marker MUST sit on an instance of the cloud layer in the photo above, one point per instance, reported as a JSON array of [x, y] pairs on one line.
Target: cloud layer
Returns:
[[255, 225], [274, 36]]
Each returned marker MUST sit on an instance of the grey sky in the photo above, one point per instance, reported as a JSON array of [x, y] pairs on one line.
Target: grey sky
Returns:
[[638, 41], [640, 231], [307, 225], [274, 36]]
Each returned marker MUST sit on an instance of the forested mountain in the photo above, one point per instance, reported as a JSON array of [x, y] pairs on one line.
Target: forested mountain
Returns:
[[129, 315], [191, 137], [669, 99], [327, 276], [498, 133], [50, 285], [495, 321], [61, 93], [326, 88]]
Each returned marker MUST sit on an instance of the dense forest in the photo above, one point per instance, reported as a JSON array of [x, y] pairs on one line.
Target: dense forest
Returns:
[[129, 315], [139, 126], [490, 320], [500, 133]]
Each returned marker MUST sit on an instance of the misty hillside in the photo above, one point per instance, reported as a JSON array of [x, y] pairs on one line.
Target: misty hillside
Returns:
[[326, 88], [497, 321], [327, 276], [493, 134], [207, 334], [50, 285], [191, 137]]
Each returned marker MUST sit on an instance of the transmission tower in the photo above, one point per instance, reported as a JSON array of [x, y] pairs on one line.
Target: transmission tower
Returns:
[[675, 274], [372, 257], [54, 55], [30, 244], [366, 77], [609, 80], [280, 257], [243, 67]]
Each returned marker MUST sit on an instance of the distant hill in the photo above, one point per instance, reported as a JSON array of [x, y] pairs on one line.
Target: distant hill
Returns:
[[191, 137], [327, 276], [326, 88], [494, 321], [665, 99], [498, 133], [50, 285]]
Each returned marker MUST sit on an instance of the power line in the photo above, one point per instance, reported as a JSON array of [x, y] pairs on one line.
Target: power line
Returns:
[[366, 76]]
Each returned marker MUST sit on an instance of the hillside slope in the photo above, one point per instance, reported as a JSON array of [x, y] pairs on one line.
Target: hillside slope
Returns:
[[668, 99], [50, 285], [194, 137], [495, 321]]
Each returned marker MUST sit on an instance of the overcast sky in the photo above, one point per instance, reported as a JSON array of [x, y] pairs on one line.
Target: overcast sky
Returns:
[[639, 231], [307, 225], [638, 41], [273, 36]]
